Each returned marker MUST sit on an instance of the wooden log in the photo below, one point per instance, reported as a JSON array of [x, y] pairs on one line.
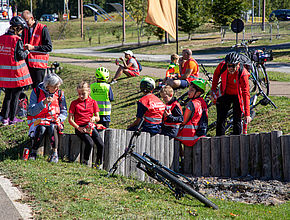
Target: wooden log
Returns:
[[75, 148], [215, 161], [176, 155], [225, 156], [265, 139], [64, 146], [276, 155], [235, 155], [244, 153], [161, 149], [128, 165], [255, 155], [166, 151], [205, 154], [140, 148], [171, 153], [109, 152], [285, 146], [196, 159], [122, 147], [152, 146], [187, 162], [157, 147]]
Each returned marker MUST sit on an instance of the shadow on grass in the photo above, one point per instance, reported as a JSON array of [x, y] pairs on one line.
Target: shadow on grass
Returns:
[[16, 152]]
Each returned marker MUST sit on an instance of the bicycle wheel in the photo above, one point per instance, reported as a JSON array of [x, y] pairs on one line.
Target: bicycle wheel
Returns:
[[262, 78], [252, 85], [185, 188]]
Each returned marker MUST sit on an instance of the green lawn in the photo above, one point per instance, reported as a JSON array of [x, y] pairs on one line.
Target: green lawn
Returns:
[[72, 191]]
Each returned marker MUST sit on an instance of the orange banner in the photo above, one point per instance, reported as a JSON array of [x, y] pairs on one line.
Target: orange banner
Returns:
[[162, 13]]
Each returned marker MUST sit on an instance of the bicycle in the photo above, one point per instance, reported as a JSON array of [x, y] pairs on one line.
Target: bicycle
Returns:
[[256, 60], [179, 184]]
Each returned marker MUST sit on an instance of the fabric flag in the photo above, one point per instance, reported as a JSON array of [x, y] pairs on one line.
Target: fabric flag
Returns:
[[162, 13]]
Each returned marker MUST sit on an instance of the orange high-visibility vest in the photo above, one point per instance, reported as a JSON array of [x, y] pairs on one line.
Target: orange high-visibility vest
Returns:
[[36, 59], [13, 73], [187, 134], [192, 76], [155, 107]]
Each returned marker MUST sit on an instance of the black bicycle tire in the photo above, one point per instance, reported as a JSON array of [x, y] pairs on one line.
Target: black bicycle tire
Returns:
[[263, 83], [187, 188]]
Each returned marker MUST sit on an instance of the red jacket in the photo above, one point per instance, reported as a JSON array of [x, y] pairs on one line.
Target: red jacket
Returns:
[[193, 75], [242, 84], [155, 107], [188, 134], [13, 73], [36, 59]]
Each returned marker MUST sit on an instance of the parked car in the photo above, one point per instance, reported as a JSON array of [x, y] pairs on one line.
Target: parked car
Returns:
[[48, 17], [280, 14]]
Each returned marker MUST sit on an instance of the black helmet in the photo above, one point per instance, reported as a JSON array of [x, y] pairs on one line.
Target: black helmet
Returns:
[[147, 84], [18, 21], [232, 58]]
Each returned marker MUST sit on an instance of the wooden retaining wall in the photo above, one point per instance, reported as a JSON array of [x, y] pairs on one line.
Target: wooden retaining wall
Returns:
[[263, 156]]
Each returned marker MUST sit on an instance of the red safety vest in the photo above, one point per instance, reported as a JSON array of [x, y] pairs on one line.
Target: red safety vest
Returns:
[[192, 76], [187, 134], [171, 107], [36, 59], [155, 107], [49, 113], [13, 73]]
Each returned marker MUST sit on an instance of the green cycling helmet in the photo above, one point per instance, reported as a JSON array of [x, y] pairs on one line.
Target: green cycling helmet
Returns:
[[102, 74], [200, 83], [147, 84]]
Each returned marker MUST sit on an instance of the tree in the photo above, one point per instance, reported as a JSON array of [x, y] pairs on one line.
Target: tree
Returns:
[[225, 11], [191, 15]]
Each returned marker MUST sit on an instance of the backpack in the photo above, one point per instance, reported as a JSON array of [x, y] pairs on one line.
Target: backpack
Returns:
[[139, 64], [22, 105]]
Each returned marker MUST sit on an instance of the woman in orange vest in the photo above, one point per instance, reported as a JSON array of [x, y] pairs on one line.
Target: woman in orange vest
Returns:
[[149, 107], [14, 74], [195, 115], [47, 111]]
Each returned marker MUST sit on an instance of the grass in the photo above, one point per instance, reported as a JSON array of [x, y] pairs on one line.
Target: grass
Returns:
[[71, 191]]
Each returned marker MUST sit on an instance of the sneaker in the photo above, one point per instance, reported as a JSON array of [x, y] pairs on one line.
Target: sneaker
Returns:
[[113, 81], [32, 156], [54, 158], [5, 122], [15, 120]]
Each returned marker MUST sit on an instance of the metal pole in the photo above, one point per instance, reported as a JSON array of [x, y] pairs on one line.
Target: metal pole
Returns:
[[176, 26], [31, 6], [64, 6], [264, 12], [259, 13], [124, 23], [82, 20], [253, 14]]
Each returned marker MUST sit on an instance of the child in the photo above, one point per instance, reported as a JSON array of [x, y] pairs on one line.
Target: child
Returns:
[[102, 92], [195, 116], [150, 107], [173, 116], [83, 112], [173, 68]]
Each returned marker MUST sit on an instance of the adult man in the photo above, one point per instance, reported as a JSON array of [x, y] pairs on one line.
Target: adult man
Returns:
[[130, 67], [37, 40], [189, 71], [149, 107], [234, 90]]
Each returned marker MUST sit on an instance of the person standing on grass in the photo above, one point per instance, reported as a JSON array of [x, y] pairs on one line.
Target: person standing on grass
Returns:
[[234, 90], [14, 74], [83, 113], [102, 92], [129, 67], [189, 71], [37, 40], [195, 115], [47, 111], [173, 115], [149, 107]]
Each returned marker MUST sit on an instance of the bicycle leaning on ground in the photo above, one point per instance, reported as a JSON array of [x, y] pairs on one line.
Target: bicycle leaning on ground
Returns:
[[256, 60], [178, 183]]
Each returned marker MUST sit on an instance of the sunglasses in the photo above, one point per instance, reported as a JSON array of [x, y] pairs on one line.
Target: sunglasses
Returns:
[[232, 65]]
